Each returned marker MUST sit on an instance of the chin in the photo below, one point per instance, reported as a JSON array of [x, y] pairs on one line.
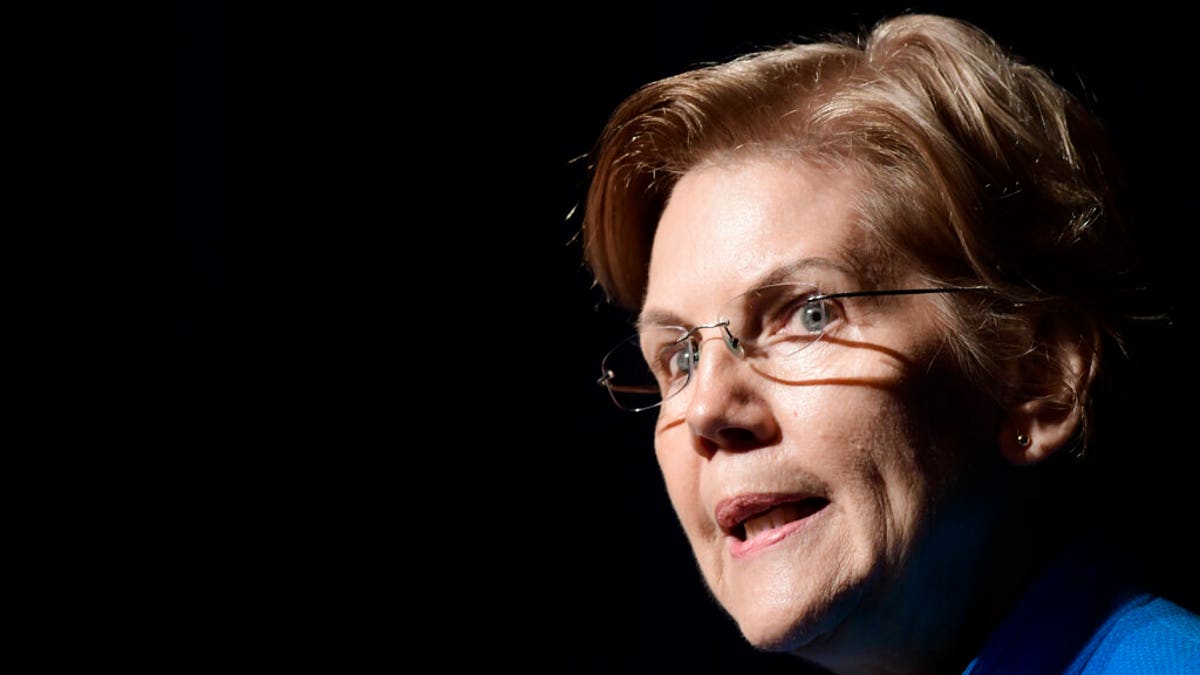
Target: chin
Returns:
[[774, 640], [802, 619], [788, 628]]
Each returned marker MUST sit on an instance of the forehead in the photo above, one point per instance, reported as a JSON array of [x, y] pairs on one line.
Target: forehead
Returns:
[[735, 224]]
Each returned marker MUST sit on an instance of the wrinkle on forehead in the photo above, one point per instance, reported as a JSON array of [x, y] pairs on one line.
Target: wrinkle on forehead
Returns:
[[825, 194]]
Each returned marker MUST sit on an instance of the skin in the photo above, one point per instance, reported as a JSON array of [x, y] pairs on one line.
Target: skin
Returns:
[[873, 581]]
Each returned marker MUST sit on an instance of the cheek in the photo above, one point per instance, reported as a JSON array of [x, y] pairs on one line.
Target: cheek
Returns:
[[873, 446], [675, 472], [682, 470], [681, 474]]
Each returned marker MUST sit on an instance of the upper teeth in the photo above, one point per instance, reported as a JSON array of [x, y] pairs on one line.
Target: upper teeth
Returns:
[[776, 517]]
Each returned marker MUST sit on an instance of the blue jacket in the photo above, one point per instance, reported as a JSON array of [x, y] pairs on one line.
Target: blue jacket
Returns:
[[1084, 617]]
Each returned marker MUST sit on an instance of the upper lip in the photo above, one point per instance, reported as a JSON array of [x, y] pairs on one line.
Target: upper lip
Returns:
[[734, 511]]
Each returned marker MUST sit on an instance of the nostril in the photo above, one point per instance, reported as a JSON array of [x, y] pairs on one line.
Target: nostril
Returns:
[[738, 438]]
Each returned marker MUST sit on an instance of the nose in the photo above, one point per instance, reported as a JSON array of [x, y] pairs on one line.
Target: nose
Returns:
[[727, 408]]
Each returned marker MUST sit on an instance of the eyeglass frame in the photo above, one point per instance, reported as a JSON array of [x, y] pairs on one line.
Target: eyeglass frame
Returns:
[[733, 343]]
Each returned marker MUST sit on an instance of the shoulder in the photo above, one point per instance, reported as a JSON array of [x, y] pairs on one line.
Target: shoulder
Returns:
[[1088, 614], [1145, 634]]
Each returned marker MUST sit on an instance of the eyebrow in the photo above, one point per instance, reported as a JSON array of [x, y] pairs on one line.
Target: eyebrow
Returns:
[[789, 272], [777, 275]]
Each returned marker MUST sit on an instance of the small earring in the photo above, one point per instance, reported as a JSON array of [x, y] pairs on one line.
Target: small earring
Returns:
[[1023, 440]]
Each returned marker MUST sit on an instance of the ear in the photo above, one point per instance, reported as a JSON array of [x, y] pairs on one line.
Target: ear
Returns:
[[1055, 377]]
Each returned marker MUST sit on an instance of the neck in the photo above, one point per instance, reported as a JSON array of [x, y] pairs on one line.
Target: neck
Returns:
[[968, 573]]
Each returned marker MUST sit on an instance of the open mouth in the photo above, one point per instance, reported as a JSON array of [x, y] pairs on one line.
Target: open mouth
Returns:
[[776, 517], [754, 516]]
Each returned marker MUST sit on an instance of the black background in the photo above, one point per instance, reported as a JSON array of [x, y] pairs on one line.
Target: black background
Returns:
[[319, 393]]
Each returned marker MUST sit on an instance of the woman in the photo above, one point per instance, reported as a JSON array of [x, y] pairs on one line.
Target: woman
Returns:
[[880, 289]]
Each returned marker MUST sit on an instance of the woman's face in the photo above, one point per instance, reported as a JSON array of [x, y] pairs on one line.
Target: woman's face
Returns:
[[807, 499]]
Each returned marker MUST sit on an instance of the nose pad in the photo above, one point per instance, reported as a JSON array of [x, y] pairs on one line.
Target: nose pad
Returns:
[[715, 376], [731, 341], [710, 357], [696, 338]]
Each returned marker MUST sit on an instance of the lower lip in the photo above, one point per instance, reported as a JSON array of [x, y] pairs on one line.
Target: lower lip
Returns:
[[744, 549]]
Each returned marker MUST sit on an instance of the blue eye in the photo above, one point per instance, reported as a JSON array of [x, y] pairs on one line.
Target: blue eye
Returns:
[[683, 359], [815, 315]]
